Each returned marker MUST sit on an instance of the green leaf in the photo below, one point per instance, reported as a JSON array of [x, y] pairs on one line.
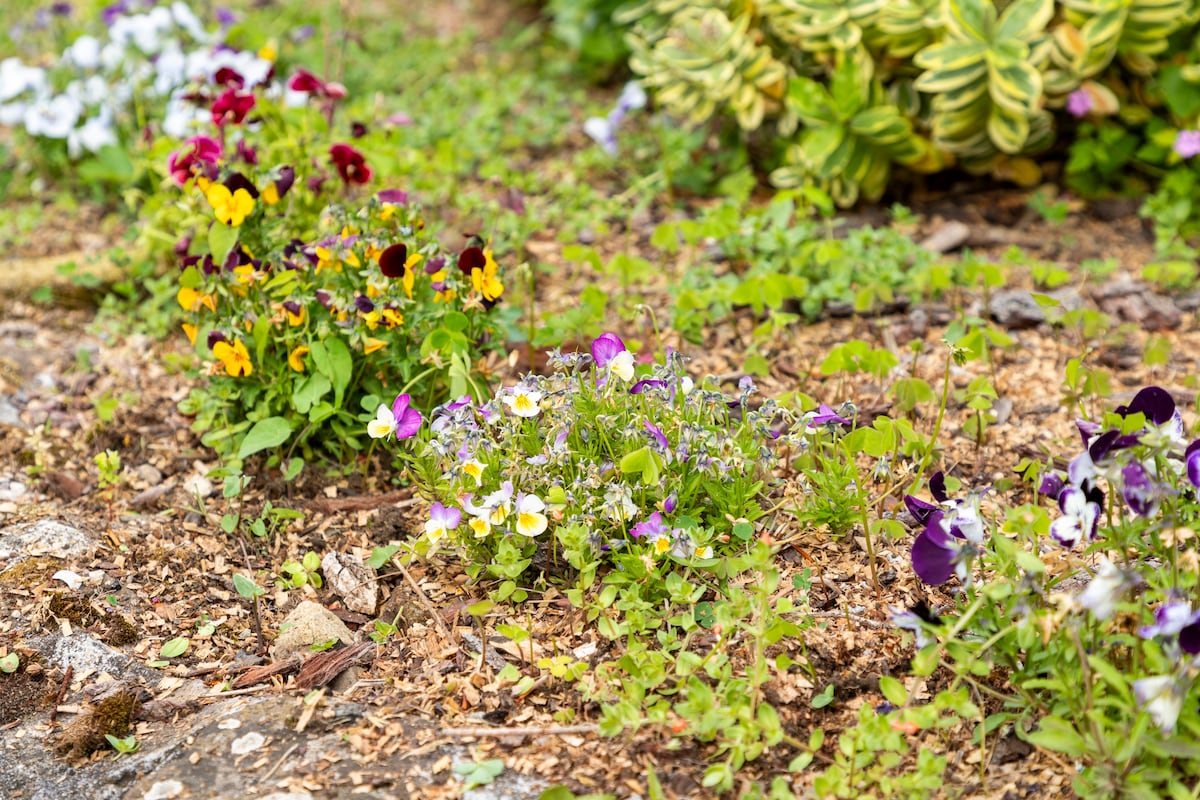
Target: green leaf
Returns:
[[1055, 733], [645, 462], [382, 555], [294, 467], [246, 587], [221, 240], [265, 434], [893, 690], [480, 608], [824, 698], [173, 648], [332, 359], [480, 774], [309, 390]]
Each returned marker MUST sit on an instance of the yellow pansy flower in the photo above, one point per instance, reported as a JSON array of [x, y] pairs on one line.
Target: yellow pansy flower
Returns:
[[270, 195], [190, 331], [235, 357], [191, 300], [231, 208], [296, 358], [391, 317], [371, 344]]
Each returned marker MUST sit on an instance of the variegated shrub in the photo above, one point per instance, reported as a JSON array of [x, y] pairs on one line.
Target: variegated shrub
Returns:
[[853, 88]]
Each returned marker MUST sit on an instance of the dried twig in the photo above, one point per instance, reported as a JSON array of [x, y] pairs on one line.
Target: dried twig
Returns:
[[846, 615], [278, 763], [425, 603], [537, 730], [400, 499], [151, 494], [261, 674], [62, 691]]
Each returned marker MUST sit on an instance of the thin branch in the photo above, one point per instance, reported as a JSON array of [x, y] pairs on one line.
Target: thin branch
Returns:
[[537, 730], [425, 603]]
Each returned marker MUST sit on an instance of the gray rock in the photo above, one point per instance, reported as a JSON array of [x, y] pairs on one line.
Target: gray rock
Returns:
[[1133, 301], [11, 490], [309, 623], [44, 537], [350, 579], [1016, 309], [9, 415]]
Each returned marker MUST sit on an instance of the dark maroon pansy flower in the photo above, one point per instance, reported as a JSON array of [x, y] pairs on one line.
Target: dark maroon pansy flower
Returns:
[[229, 77], [292, 307], [364, 304], [393, 261], [182, 246], [435, 265], [316, 183], [325, 299], [231, 107], [214, 337], [471, 259], [283, 184], [357, 130], [304, 81], [350, 164], [239, 181], [247, 153]]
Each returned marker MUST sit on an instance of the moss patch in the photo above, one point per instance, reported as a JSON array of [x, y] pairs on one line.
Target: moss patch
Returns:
[[112, 628], [29, 573], [111, 716]]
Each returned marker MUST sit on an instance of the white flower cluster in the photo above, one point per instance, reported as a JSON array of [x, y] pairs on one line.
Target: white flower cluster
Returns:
[[149, 56]]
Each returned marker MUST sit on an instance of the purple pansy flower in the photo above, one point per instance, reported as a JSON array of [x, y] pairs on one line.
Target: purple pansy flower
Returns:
[[647, 383], [1079, 103], [1191, 460], [1187, 143], [408, 419], [611, 356], [1052, 484], [936, 553], [1141, 493], [652, 527], [658, 435]]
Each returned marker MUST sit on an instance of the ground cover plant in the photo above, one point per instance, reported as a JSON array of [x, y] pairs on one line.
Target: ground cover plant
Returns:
[[727, 496]]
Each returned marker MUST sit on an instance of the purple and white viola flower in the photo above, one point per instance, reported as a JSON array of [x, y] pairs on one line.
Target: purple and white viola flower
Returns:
[[1162, 696], [914, 622], [1175, 618], [824, 418], [442, 520], [653, 526], [401, 420], [1141, 493], [937, 554], [1158, 407], [1106, 588], [612, 357], [1080, 518]]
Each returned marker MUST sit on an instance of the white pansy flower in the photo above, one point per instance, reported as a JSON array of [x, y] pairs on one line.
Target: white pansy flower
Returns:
[[530, 519], [84, 52], [53, 117], [523, 401]]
